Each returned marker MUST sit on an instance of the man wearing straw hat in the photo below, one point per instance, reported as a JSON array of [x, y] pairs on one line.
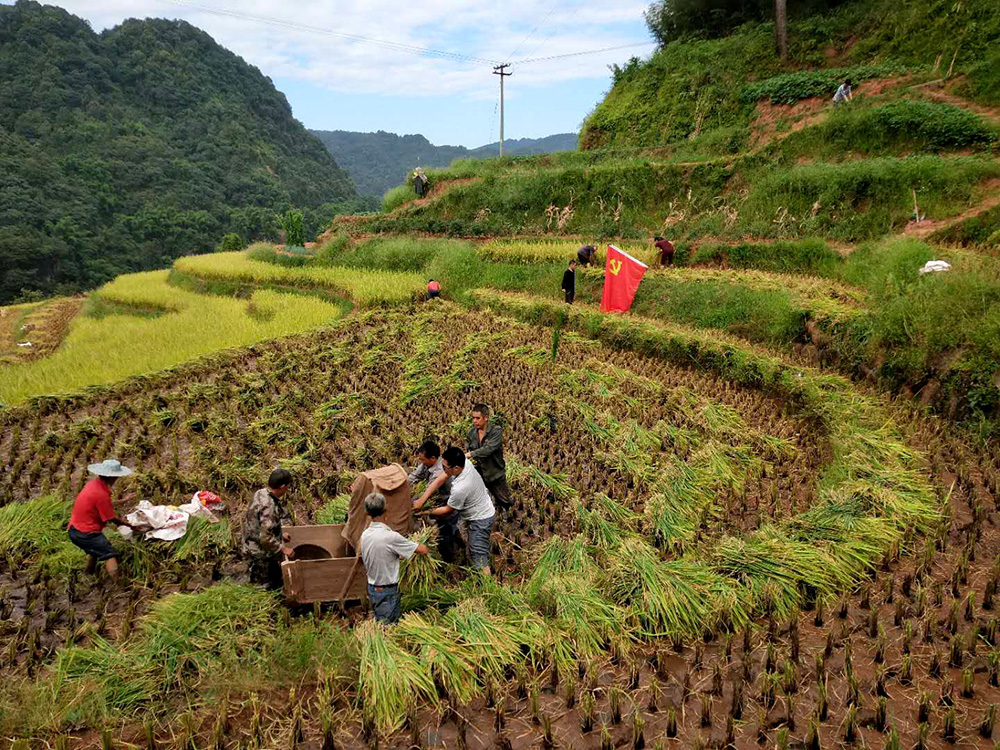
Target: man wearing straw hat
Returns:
[[92, 509]]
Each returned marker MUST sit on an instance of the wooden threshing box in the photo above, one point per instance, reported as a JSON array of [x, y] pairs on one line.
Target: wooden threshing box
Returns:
[[326, 566], [326, 569]]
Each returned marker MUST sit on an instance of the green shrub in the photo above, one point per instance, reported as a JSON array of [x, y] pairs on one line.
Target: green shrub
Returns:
[[789, 88], [231, 242], [268, 253]]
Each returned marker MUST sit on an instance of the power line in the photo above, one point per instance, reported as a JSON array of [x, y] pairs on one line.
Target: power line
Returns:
[[399, 46], [555, 5], [550, 34], [582, 52]]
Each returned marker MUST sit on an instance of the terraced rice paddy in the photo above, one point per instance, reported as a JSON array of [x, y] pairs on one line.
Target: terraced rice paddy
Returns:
[[710, 546]]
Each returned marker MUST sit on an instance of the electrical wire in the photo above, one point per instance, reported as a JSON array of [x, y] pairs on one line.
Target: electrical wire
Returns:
[[582, 52], [555, 5], [399, 46]]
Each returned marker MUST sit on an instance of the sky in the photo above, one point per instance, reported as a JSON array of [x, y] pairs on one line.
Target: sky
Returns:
[[334, 81]]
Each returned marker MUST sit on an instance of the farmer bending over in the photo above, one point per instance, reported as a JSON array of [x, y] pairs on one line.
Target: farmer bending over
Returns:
[[263, 540], [430, 469], [844, 93], [470, 499], [381, 550], [92, 510], [484, 444], [666, 248], [433, 289], [585, 255]]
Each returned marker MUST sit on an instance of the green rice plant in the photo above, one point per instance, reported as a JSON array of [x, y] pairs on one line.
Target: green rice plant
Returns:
[[600, 531], [558, 556], [390, 677], [334, 510], [558, 484]]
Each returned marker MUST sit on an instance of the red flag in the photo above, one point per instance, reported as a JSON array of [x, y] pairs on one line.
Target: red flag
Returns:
[[622, 274]]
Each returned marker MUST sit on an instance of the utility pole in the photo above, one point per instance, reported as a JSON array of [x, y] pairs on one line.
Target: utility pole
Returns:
[[499, 70]]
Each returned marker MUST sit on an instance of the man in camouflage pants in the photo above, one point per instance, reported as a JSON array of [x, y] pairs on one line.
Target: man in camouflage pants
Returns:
[[263, 540]]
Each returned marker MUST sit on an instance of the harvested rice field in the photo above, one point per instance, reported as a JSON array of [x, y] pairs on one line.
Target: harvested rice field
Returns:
[[710, 547]]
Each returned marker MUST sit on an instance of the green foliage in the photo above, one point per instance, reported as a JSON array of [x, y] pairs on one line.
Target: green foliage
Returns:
[[669, 19], [334, 511], [123, 150], [231, 242], [397, 196], [791, 87], [292, 224], [35, 530], [904, 126]]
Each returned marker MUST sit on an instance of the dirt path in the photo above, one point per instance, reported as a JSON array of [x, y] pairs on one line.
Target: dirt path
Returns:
[[940, 91], [926, 228]]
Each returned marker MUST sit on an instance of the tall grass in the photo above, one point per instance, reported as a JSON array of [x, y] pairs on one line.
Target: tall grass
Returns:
[[117, 346]]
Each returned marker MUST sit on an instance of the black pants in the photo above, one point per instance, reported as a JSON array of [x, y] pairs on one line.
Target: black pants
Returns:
[[501, 492], [449, 541], [570, 296], [266, 571]]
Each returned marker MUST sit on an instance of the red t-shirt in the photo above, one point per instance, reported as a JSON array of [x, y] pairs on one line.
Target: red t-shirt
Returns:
[[92, 508], [666, 248], [433, 286]]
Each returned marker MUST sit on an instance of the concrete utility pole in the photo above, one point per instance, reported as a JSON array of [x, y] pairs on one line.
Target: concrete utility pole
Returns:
[[499, 71]]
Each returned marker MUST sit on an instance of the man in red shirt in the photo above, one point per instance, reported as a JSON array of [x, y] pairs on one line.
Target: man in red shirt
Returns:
[[433, 289], [666, 248], [92, 510]]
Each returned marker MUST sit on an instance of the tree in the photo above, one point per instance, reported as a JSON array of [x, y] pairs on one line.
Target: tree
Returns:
[[292, 223], [781, 28]]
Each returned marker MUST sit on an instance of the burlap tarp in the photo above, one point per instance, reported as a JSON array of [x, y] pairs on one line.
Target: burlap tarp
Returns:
[[390, 481]]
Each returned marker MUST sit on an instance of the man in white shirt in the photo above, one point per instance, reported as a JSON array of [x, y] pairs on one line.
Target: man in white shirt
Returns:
[[430, 469], [844, 93], [381, 550], [470, 498]]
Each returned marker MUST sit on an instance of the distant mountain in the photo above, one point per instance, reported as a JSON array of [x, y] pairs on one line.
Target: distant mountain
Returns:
[[379, 161], [122, 150]]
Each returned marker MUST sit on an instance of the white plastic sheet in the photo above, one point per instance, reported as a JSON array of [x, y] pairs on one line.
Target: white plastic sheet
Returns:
[[935, 266]]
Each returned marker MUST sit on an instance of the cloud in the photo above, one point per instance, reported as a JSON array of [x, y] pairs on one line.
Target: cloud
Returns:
[[297, 43]]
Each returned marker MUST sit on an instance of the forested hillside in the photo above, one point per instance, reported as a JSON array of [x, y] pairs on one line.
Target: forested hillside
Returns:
[[123, 150], [379, 161]]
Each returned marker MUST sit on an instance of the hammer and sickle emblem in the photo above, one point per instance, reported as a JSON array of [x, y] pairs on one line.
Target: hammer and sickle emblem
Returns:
[[615, 266]]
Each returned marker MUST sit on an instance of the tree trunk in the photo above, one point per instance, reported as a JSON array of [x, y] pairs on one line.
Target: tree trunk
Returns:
[[781, 28]]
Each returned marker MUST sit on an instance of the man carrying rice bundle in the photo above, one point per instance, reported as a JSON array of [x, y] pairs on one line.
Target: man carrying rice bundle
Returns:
[[381, 550]]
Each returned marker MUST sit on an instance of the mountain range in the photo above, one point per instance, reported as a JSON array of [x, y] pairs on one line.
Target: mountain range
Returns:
[[378, 161]]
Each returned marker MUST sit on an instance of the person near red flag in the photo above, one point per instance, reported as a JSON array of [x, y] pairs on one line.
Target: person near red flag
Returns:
[[622, 274]]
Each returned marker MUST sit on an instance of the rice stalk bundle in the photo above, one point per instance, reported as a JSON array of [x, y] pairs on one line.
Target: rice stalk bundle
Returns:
[[577, 608], [614, 511], [559, 556], [557, 484], [495, 643], [668, 598], [440, 651], [334, 510], [599, 531], [390, 677], [203, 540], [121, 681], [420, 576], [225, 623], [37, 528]]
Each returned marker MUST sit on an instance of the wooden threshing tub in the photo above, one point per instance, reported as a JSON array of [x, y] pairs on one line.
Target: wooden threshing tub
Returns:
[[326, 566]]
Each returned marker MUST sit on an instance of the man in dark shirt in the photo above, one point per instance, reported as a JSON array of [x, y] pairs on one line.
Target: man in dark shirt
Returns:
[[569, 282], [484, 445], [666, 248], [585, 255]]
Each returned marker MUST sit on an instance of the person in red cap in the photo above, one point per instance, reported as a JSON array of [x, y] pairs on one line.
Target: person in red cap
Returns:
[[92, 509]]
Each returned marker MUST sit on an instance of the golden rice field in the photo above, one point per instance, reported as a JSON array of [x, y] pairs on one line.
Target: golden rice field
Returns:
[[558, 251], [99, 350], [365, 287]]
